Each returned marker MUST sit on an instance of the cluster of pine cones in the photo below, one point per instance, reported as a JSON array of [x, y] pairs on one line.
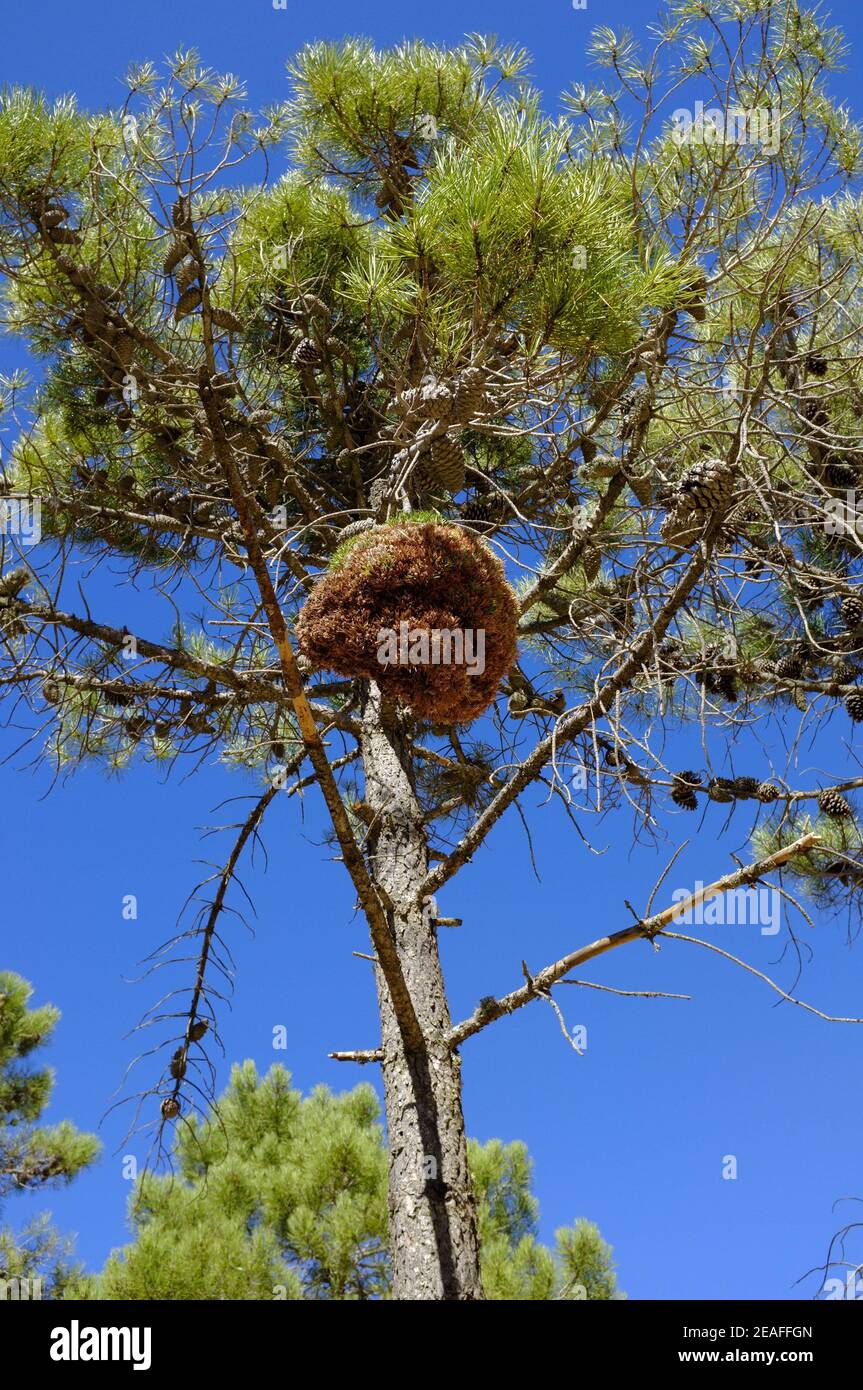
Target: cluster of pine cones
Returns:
[[442, 466], [685, 785], [196, 722]]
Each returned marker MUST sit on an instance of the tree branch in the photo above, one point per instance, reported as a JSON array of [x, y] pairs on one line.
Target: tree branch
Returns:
[[542, 981]]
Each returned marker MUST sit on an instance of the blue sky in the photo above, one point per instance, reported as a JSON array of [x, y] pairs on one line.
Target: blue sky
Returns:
[[632, 1134]]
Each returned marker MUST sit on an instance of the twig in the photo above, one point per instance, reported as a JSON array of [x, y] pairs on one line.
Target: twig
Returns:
[[709, 946], [628, 993]]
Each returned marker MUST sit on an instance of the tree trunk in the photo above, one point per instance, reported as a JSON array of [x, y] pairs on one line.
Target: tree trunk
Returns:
[[432, 1217]]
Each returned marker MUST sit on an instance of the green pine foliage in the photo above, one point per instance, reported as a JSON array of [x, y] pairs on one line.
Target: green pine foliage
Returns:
[[280, 1196], [33, 1156]]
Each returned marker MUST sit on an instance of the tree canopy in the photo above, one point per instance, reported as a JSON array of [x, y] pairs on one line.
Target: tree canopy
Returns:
[[619, 347], [283, 1196], [33, 1156]]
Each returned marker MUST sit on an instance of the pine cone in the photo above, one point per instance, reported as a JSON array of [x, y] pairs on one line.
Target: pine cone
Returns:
[[750, 672], [355, 528], [854, 706], [842, 672], [53, 216], [67, 236], [306, 354], [187, 273], [790, 666], [641, 485], [431, 401], [669, 653], [434, 401], [443, 465], [282, 339], [591, 561], [310, 305], [468, 394], [709, 485], [833, 804], [767, 792], [851, 610], [637, 408], [118, 699], [482, 511], [336, 348], [13, 581], [682, 525], [124, 349], [839, 473], [170, 1108], [683, 786], [175, 253], [224, 318], [724, 683], [187, 303], [685, 798], [691, 779], [816, 364], [181, 213], [721, 789], [178, 1064], [745, 787], [378, 492]]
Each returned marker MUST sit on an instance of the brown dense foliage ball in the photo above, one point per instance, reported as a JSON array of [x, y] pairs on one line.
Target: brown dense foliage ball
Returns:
[[433, 577]]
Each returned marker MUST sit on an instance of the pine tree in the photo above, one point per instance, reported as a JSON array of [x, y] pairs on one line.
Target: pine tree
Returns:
[[285, 1197], [618, 349], [32, 1155]]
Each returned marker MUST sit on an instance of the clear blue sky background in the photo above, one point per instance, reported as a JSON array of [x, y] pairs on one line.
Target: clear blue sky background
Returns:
[[633, 1134]]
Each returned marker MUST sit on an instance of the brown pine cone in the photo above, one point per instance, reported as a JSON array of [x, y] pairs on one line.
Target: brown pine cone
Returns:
[[306, 354], [745, 787], [468, 394], [175, 253], [683, 786], [224, 318], [187, 273], [187, 303], [709, 485], [854, 706], [443, 465], [721, 789], [833, 804], [790, 666], [842, 672]]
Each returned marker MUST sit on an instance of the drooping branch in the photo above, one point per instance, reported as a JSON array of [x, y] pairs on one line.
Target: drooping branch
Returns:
[[249, 684]]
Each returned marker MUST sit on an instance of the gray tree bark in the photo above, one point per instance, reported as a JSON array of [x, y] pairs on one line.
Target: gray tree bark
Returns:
[[432, 1216]]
